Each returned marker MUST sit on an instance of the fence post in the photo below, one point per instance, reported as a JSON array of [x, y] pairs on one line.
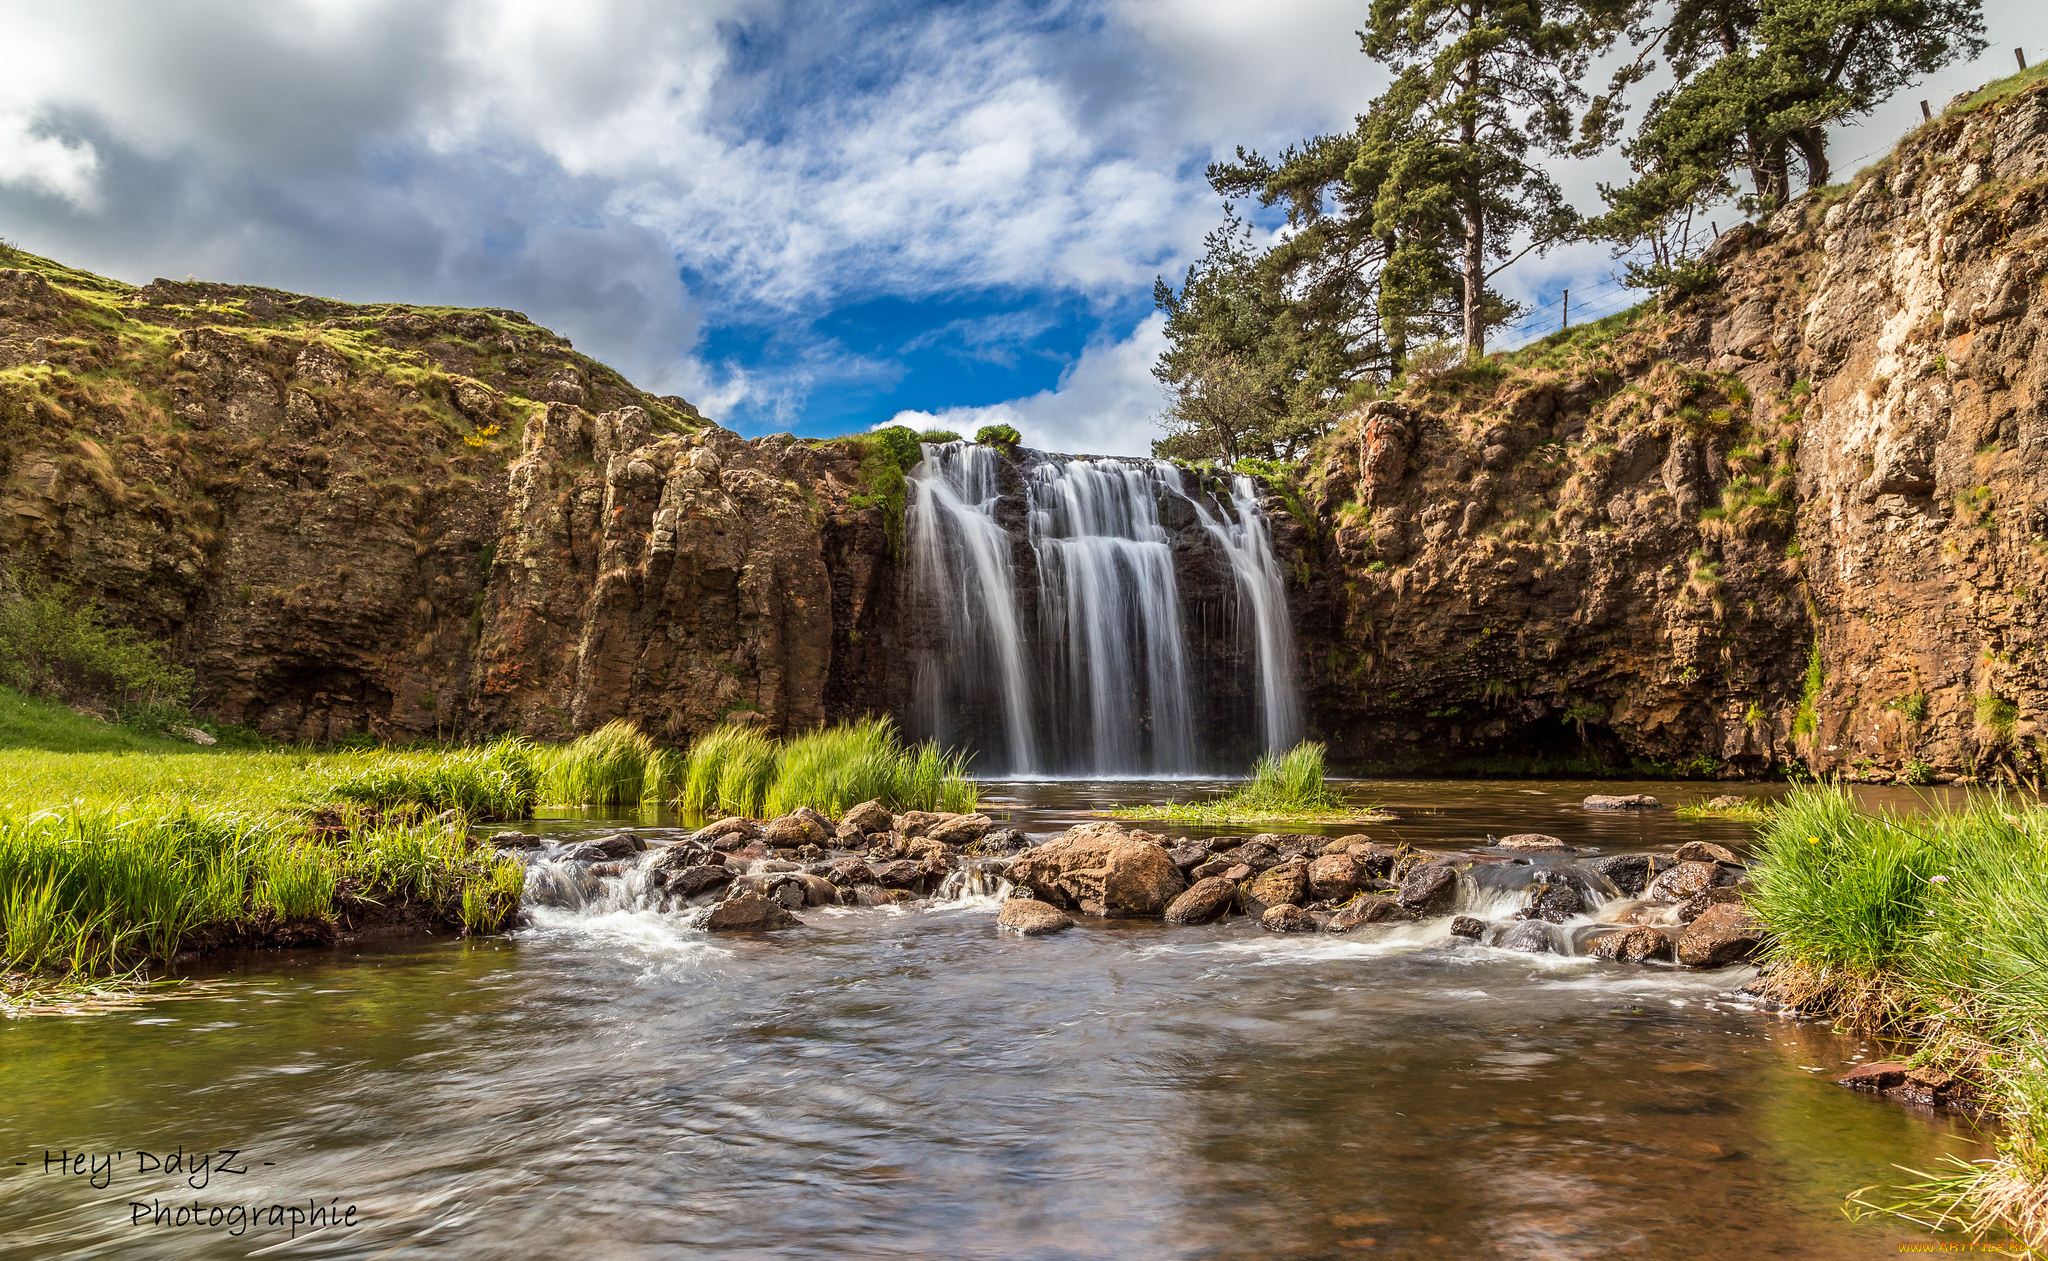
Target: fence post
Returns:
[[1567, 309]]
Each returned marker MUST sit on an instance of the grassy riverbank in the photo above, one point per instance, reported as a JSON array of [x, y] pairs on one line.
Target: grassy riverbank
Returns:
[[1290, 787], [1931, 928], [114, 860]]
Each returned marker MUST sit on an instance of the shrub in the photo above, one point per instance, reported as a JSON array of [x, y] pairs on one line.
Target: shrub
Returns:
[[998, 436], [53, 643]]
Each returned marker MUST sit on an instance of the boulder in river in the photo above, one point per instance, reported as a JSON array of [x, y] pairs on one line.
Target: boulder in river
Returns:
[[1032, 917], [1531, 936], [617, 845], [731, 825], [1696, 905], [1287, 918], [1554, 902], [1727, 933], [748, 913], [1367, 910], [1727, 801], [1633, 945], [1276, 886], [1630, 801], [1466, 926], [688, 882], [1205, 900], [1629, 873], [1682, 882], [900, 873], [1334, 877], [1429, 890], [1000, 842], [1374, 859], [1101, 869], [1706, 852], [849, 872], [796, 828], [961, 829], [865, 818], [1189, 857], [517, 840], [1532, 843], [921, 822]]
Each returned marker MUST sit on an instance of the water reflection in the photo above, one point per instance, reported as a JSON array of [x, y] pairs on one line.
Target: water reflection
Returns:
[[904, 1082]]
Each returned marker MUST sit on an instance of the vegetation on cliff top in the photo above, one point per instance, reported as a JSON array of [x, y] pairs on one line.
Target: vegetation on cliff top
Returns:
[[1931, 928], [1398, 228]]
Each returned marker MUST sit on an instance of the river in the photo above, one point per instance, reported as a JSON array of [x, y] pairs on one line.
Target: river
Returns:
[[907, 1082]]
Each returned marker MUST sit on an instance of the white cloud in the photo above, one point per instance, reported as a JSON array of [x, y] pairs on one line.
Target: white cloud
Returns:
[[47, 164], [1106, 403], [786, 156]]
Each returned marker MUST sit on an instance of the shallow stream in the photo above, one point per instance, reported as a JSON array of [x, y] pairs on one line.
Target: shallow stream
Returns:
[[904, 1081]]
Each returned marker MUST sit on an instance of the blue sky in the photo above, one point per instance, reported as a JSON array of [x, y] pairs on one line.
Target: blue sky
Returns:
[[813, 217]]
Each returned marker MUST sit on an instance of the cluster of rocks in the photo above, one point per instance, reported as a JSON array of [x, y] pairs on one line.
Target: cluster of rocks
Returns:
[[740, 874]]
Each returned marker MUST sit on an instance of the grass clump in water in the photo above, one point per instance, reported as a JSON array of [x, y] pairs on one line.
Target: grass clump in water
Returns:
[[608, 767], [1750, 810], [1931, 928], [737, 770], [1284, 787]]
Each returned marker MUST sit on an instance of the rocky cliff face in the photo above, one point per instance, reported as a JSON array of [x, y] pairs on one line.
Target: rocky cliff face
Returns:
[[405, 522], [1797, 518]]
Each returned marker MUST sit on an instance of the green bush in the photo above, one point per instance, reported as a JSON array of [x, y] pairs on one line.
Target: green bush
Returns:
[[54, 643], [998, 436]]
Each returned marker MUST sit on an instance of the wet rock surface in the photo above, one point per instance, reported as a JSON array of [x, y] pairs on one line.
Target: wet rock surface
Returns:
[[1032, 917], [1536, 895]]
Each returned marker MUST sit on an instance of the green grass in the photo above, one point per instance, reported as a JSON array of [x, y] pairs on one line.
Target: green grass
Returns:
[[1287, 787], [30, 722], [111, 860], [496, 781], [1933, 928], [1750, 811], [737, 770], [608, 767]]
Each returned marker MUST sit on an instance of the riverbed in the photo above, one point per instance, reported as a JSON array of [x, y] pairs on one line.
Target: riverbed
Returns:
[[905, 1081]]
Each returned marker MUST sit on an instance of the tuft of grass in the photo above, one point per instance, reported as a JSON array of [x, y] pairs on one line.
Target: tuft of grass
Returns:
[[1931, 928], [1750, 811], [608, 767], [500, 780], [1283, 787], [737, 770]]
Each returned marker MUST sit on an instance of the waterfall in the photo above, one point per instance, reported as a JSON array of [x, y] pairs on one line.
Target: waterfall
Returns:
[[1051, 628], [1250, 547], [960, 563]]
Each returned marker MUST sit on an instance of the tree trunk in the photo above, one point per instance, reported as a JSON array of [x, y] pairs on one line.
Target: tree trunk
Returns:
[[1475, 225], [1813, 150]]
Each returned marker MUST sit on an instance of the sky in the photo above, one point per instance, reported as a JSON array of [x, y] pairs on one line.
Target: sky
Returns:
[[803, 217]]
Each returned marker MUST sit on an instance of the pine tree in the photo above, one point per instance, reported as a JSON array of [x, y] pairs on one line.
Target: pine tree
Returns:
[[1480, 86], [1759, 82]]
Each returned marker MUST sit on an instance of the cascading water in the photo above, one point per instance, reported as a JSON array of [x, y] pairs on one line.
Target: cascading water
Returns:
[[1056, 632]]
